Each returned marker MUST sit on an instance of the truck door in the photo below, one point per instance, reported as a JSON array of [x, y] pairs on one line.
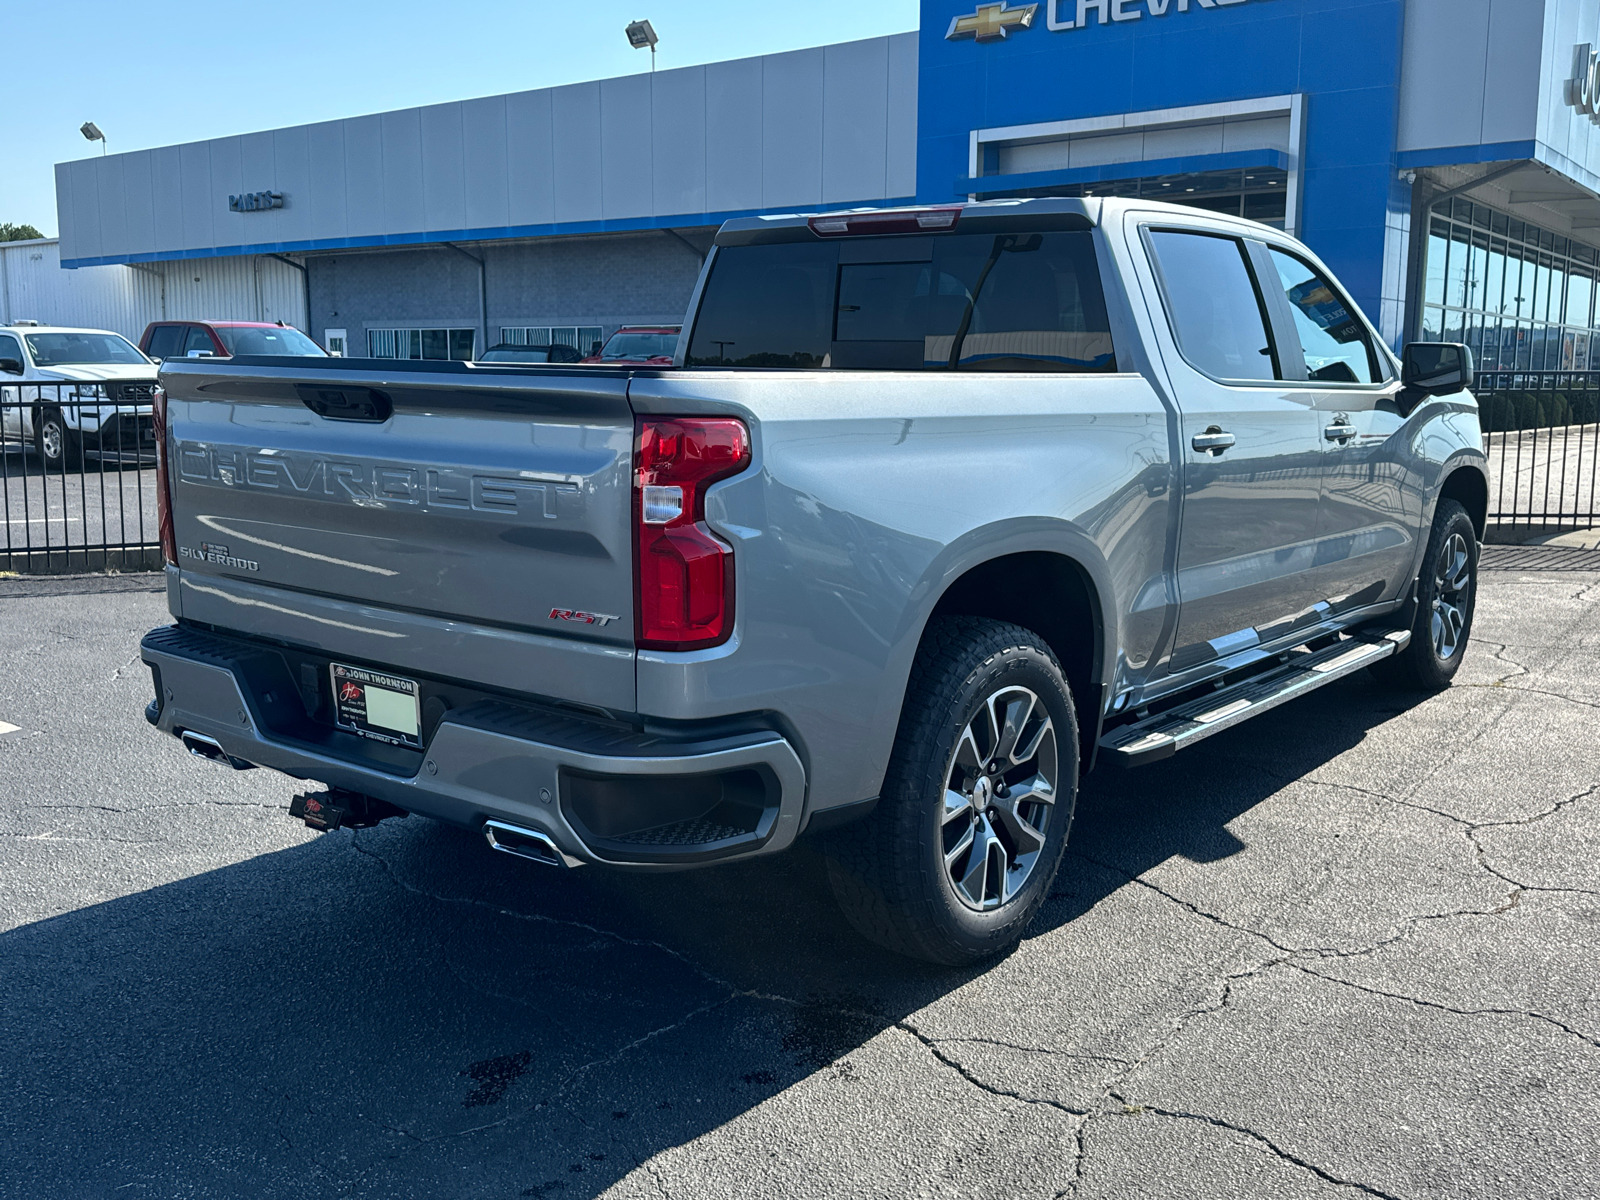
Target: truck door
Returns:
[[1371, 510], [1253, 447], [11, 398]]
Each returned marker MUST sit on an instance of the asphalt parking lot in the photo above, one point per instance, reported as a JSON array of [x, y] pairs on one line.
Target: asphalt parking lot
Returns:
[[1351, 948]]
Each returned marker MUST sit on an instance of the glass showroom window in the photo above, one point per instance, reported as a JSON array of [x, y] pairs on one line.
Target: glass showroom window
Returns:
[[421, 343], [1259, 194], [1520, 296], [583, 338]]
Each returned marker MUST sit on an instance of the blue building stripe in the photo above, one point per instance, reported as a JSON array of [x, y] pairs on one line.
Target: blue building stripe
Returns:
[[1453, 156], [436, 236]]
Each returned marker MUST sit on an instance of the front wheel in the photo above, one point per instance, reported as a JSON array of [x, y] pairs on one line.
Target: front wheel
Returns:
[[56, 445], [961, 851], [1447, 593]]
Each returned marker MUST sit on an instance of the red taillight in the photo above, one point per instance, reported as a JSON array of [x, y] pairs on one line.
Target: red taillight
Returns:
[[683, 595], [158, 425]]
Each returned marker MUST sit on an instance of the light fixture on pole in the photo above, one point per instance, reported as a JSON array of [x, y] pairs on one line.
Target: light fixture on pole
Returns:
[[640, 35], [92, 131]]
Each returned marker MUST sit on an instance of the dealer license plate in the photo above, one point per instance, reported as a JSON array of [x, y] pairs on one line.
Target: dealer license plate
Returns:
[[375, 705]]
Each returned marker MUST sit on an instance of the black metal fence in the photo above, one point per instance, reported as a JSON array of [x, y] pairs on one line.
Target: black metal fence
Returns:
[[77, 478], [1542, 436], [78, 481]]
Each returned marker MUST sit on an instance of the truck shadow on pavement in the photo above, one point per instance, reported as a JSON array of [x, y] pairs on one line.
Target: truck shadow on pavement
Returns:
[[398, 1012]]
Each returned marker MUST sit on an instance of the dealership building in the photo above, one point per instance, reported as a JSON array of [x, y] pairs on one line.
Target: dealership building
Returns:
[[1443, 156]]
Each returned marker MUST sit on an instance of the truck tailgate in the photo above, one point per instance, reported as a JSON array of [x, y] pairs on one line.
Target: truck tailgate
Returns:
[[429, 517]]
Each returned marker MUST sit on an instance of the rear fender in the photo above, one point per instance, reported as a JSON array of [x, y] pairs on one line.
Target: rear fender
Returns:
[[1008, 539]]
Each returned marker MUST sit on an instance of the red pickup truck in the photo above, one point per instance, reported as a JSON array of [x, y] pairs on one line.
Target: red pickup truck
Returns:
[[224, 339]]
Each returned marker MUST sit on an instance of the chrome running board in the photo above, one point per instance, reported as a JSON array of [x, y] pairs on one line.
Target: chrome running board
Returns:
[[1164, 734]]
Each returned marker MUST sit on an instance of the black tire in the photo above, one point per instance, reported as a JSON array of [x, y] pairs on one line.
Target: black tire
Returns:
[[891, 873], [1447, 593], [56, 445]]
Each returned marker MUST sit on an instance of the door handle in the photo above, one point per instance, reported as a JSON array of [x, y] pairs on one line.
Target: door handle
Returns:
[[1339, 431], [1213, 441]]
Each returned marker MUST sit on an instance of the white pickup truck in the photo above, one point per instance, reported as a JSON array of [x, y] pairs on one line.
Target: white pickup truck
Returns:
[[90, 391]]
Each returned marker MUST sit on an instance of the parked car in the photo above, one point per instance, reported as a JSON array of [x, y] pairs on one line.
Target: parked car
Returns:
[[223, 339], [90, 393], [937, 509], [640, 345], [508, 352]]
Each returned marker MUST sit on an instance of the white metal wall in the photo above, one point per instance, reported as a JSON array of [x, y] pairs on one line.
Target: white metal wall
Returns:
[[126, 299], [34, 287], [830, 125], [1471, 71]]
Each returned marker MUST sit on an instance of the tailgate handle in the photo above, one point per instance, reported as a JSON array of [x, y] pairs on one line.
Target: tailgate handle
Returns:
[[346, 403]]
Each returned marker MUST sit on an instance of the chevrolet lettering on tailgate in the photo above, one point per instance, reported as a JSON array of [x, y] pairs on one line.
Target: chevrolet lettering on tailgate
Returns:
[[378, 484]]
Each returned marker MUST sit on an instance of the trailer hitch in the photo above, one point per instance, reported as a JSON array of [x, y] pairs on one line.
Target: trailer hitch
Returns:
[[337, 808]]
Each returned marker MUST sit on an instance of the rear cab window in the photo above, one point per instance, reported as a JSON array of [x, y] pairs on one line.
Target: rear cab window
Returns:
[[199, 341], [1218, 317], [1013, 301], [166, 341]]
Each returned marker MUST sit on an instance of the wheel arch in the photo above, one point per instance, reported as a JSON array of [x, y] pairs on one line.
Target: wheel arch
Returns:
[[1468, 486], [1055, 596]]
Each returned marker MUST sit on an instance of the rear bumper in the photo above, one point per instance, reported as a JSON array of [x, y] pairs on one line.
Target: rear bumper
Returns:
[[603, 793]]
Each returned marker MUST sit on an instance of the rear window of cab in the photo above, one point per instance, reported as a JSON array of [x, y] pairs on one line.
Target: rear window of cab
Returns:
[[1013, 301]]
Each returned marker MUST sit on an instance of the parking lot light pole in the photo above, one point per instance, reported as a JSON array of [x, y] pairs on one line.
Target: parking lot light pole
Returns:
[[92, 131], [640, 35]]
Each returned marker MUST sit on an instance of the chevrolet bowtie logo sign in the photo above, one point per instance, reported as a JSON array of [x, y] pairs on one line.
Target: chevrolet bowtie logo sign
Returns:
[[992, 22]]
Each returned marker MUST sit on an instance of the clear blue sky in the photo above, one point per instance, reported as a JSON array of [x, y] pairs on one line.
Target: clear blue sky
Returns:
[[162, 73]]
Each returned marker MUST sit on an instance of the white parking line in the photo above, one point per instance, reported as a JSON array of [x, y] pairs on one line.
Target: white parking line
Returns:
[[6, 727]]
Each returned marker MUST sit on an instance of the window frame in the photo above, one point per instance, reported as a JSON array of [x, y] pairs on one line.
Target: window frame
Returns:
[[1241, 241], [419, 330], [182, 328], [1379, 361], [211, 339]]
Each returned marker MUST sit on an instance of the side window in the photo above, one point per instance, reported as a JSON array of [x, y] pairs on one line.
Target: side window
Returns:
[[1336, 345], [1216, 312], [11, 348], [166, 341], [199, 339]]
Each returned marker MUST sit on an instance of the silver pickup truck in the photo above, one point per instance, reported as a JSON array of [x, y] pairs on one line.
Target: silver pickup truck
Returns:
[[934, 509]]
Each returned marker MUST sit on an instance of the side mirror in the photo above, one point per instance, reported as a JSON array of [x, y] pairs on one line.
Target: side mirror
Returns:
[[11, 366], [153, 359], [1437, 368]]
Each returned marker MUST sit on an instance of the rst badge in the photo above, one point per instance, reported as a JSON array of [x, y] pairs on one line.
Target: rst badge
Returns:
[[601, 620]]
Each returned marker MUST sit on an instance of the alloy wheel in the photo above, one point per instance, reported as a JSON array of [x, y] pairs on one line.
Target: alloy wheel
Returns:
[[1452, 596], [51, 440], [1000, 792]]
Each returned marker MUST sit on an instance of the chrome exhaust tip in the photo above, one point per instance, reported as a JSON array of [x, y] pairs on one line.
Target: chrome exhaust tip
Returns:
[[526, 843], [201, 746]]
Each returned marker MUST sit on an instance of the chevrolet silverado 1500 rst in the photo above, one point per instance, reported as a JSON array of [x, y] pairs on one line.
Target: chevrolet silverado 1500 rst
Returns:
[[933, 509]]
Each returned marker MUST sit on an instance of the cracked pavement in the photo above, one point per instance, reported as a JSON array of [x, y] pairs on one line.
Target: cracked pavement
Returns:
[[1349, 949]]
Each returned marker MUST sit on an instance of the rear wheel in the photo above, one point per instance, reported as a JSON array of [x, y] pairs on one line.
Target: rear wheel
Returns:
[[960, 853], [57, 446], [1447, 593]]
